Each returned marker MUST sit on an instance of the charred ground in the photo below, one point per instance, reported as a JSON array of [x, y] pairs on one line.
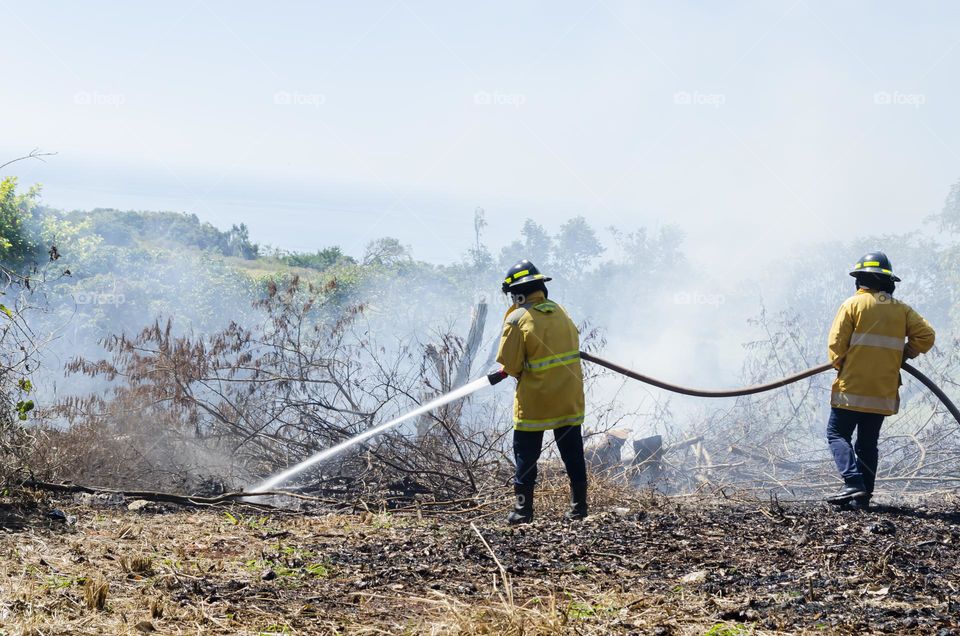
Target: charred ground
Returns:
[[647, 564]]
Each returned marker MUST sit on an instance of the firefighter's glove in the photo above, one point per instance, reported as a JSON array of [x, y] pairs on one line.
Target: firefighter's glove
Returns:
[[496, 376]]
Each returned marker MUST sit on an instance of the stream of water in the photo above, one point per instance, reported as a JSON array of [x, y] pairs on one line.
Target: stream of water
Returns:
[[280, 478]]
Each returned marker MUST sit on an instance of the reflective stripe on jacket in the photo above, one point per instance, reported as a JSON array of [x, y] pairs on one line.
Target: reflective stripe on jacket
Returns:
[[540, 346], [867, 346]]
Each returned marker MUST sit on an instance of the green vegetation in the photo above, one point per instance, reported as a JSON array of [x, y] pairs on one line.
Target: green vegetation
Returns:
[[287, 561], [55, 581], [116, 271], [950, 216], [248, 521], [129, 229], [577, 609], [727, 629], [18, 240], [321, 260]]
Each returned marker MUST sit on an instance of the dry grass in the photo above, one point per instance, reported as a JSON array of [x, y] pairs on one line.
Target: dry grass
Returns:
[[189, 572], [243, 572], [95, 592]]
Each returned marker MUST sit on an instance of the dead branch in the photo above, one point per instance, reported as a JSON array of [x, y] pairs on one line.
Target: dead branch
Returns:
[[165, 497], [34, 154]]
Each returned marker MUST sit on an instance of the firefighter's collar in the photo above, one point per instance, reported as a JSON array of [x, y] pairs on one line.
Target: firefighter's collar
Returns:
[[534, 298]]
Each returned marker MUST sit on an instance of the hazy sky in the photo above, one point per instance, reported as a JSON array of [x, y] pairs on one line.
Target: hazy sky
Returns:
[[754, 126]]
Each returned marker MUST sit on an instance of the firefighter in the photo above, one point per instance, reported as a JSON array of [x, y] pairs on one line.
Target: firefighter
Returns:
[[540, 347], [866, 345]]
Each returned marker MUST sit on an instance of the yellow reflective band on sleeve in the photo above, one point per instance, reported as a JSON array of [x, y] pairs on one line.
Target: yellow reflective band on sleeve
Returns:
[[871, 263], [548, 362]]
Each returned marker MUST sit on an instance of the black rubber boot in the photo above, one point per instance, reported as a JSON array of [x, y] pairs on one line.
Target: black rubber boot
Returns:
[[846, 495], [523, 509], [860, 503], [578, 501]]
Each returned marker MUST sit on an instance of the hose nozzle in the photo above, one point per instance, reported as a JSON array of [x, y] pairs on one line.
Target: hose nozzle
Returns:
[[496, 376]]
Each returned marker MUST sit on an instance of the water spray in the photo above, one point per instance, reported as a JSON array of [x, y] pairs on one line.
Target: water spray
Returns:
[[447, 398], [497, 376]]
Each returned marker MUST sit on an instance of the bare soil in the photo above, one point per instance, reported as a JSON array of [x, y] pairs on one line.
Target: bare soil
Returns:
[[643, 565]]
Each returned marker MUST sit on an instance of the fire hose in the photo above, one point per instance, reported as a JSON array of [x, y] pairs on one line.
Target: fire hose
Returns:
[[497, 376], [760, 388]]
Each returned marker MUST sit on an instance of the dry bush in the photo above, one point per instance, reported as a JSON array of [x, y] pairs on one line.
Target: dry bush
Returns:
[[224, 411], [23, 296], [776, 441]]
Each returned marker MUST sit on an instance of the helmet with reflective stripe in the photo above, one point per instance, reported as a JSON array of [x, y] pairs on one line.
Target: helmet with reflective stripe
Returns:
[[522, 273], [874, 263]]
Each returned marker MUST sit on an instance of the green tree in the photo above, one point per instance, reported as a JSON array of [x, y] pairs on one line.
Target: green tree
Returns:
[[17, 240], [387, 252], [479, 256], [576, 248], [534, 244], [239, 244], [950, 216]]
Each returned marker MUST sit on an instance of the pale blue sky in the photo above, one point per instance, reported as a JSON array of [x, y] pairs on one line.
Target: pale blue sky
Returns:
[[754, 126]]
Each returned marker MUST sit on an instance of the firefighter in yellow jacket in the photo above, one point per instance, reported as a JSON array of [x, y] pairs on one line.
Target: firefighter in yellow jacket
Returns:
[[540, 347], [871, 335]]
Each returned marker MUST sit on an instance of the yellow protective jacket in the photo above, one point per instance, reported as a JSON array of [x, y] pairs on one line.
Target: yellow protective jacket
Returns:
[[866, 345], [540, 346]]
